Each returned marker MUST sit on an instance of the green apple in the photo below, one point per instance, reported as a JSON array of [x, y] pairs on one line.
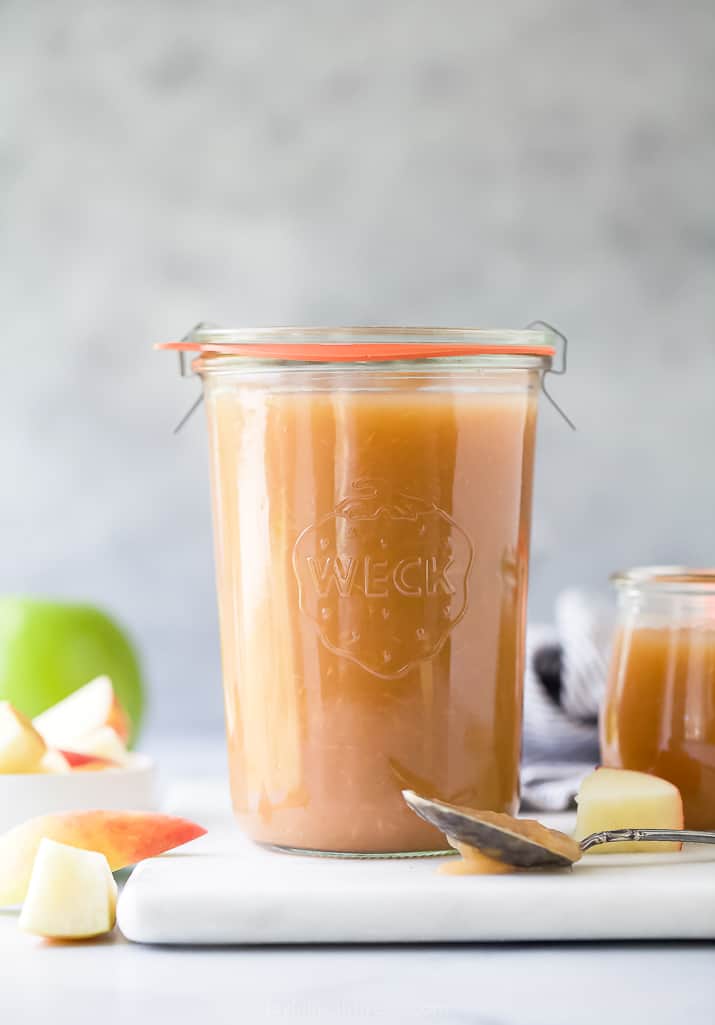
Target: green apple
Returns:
[[50, 648]]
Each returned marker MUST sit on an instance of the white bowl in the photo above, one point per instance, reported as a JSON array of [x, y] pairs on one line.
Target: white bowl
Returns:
[[133, 787]]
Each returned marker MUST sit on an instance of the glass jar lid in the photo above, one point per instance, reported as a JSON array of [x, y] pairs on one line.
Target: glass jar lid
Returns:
[[364, 344], [666, 579]]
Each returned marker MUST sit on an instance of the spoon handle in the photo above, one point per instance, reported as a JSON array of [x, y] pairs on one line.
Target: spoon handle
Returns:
[[619, 835]]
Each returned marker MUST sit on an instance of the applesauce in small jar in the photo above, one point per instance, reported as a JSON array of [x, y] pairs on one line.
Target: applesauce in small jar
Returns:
[[372, 503], [659, 710]]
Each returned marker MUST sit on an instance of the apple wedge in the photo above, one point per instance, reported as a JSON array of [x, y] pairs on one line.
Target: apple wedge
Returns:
[[54, 761], [21, 746], [71, 894], [82, 713], [103, 743], [83, 762], [124, 837], [623, 799]]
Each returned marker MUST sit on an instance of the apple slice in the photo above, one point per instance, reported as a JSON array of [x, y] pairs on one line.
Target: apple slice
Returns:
[[83, 762], [125, 837], [54, 761], [88, 709], [103, 743], [623, 799], [71, 895], [21, 746]]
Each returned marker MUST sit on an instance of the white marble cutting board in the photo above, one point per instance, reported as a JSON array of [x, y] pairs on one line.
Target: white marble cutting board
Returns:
[[222, 890]]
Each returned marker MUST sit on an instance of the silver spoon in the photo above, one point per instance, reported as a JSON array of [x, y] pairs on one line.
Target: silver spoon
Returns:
[[528, 844], [618, 835]]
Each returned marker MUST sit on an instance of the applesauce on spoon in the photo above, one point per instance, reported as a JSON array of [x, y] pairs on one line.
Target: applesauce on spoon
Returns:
[[372, 501]]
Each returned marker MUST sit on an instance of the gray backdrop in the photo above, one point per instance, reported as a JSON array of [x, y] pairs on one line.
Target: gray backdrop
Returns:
[[367, 161]]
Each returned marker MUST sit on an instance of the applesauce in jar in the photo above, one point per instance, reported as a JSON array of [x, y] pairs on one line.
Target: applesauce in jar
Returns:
[[372, 501], [659, 711]]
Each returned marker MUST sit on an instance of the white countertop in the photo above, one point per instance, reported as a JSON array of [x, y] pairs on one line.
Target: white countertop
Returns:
[[525, 984], [115, 981]]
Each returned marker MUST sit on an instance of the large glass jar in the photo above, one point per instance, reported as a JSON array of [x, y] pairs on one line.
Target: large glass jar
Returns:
[[659, 713], [372, 501]]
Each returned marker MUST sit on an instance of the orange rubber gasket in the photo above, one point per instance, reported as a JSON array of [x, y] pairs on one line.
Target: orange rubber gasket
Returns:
[[325, 352]]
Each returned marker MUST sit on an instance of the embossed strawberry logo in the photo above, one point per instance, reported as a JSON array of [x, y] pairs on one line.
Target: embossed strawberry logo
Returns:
[[383, 577]]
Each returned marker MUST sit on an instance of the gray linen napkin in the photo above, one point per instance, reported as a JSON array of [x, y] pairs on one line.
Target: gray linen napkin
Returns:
[[566, 666]]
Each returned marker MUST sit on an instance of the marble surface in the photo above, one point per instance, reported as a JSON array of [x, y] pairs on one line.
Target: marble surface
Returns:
[[113, 981], [225, 890], [341, 161]]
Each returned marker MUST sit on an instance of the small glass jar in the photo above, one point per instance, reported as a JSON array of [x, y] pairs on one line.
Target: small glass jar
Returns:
[[659, 710], [372, 505]]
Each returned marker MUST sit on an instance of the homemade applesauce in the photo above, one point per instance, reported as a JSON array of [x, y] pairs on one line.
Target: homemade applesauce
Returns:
[[659, 713], [372, 514]]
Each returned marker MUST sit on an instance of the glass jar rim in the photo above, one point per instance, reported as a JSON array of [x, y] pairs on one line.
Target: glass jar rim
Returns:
[[364, 344], [666, 579]]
